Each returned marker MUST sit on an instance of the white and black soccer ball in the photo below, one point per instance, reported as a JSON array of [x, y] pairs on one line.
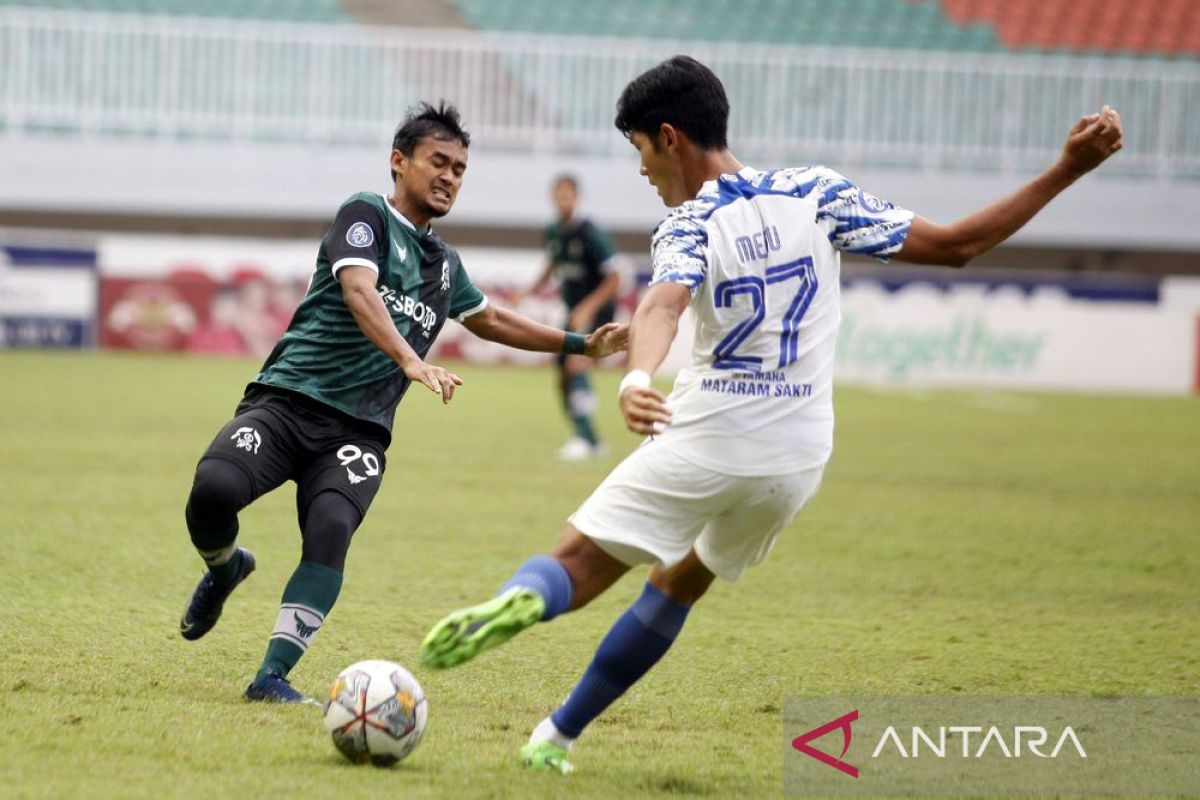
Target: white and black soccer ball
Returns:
[[376, 712]]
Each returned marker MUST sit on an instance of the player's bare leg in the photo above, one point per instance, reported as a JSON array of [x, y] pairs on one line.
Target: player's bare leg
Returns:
[[543, 587], [686, 582], [591, 569]]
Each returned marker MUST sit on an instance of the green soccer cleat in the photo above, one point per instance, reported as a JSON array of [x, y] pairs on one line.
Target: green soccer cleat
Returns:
[[546, 757], [466, 633]]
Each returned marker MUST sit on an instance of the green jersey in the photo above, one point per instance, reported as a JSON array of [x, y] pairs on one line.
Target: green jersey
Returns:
[[581, 255], [324, 355]]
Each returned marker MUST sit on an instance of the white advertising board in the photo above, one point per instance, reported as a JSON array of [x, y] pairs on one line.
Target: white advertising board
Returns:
[[968, 337]]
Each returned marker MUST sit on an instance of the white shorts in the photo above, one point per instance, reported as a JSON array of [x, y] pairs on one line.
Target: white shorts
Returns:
[[655, 506]]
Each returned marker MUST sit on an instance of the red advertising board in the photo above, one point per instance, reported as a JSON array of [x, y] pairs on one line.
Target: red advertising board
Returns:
[[190, 311]]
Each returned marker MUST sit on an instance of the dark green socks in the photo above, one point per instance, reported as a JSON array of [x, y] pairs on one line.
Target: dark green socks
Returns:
[[308, 597]]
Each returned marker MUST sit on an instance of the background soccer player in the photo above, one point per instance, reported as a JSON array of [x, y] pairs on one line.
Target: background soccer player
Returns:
[[320, 412], [583, 260], [740, 445]]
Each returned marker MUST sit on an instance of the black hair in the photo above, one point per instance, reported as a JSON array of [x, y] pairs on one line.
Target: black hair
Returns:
[[566, 177], [425, 120], [681, 92]]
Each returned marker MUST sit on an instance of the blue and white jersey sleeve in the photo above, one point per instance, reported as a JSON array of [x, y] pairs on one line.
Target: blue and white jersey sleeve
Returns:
[[855, 220], [679, 248]]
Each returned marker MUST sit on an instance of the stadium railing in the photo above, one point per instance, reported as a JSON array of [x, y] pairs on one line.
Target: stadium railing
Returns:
[[133, 77]]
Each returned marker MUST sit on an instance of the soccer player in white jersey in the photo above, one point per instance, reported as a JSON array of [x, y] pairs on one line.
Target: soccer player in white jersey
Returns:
[[739, 446]]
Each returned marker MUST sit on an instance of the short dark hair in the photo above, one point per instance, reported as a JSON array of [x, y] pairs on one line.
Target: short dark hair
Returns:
[[566, 177], [681, 92], [425, 120]]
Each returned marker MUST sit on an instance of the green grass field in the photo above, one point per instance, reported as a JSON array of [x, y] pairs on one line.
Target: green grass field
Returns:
[[962, 543]]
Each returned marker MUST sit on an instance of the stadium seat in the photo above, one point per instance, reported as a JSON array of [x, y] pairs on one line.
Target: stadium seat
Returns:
[[1161, 28], [290, 10]]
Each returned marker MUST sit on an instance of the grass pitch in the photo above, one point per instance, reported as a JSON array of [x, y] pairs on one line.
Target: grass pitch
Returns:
[[962, 543]]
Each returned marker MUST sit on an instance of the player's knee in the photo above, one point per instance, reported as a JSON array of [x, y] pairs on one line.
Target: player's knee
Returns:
[[219, 491], [590, 568], [685, 583]]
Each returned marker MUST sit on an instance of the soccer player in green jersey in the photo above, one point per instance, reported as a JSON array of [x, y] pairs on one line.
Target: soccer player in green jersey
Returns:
[[583, 260], [320, 412]]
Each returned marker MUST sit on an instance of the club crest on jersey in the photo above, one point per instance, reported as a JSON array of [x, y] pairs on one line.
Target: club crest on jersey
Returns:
[[360, 235], [399, 250], [872, 203], [445, 275], [247, 439]]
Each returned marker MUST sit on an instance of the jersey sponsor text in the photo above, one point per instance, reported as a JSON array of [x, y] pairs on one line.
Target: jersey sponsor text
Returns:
[[406, 306]]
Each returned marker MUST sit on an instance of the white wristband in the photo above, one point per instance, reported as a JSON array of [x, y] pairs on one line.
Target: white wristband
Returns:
[[635, 378]]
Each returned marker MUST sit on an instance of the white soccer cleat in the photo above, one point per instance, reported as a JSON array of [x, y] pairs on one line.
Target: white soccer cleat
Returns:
[[577, 449]]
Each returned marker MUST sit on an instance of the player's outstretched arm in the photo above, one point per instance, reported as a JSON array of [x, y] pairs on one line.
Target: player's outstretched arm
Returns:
[[1092, 140], [515, 330], [364, 302], [654, 326]]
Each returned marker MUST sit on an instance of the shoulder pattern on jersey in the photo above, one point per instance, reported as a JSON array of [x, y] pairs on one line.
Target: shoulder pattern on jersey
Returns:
[[678, 248], [680, 242], [854, 220]]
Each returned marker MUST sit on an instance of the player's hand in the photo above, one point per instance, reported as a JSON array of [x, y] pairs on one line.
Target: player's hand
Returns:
[[1092, 140], [606, 340], [438, 380], [645, 410]]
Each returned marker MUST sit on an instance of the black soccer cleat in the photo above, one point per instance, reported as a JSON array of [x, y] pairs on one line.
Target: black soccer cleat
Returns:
[[207, 601], [275, 689]]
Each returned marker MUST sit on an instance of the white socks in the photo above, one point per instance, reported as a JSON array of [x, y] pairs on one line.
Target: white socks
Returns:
[[546, 732]]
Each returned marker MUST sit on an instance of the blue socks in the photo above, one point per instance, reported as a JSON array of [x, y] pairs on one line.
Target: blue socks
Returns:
[[638, 639], [548, 578], [634, 644]]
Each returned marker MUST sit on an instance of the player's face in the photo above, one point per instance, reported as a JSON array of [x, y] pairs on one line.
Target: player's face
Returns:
[[565, 197], [429, 180], [660, 165]]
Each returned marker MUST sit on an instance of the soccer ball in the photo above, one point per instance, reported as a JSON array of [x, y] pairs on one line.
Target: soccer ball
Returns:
[[376, 712]]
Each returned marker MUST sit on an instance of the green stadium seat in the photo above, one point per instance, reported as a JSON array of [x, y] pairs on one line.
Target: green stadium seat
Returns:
[[288, 10]]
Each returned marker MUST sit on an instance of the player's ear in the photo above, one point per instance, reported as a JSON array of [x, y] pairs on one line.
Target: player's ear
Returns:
[[398, 162], [668, 138]]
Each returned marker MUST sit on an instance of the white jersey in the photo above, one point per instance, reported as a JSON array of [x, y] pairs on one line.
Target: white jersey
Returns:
[[759, 252]]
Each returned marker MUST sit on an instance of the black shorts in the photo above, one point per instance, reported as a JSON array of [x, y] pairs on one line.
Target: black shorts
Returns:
[[605, 315], [277, 435]]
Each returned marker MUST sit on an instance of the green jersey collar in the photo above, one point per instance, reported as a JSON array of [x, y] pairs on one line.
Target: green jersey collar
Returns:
[[407, 222]]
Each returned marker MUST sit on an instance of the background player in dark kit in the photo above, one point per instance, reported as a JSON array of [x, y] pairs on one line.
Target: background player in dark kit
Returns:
[[584, 262]]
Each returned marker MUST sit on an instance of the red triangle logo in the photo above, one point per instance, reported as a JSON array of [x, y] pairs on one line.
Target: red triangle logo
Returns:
[[842, 723]]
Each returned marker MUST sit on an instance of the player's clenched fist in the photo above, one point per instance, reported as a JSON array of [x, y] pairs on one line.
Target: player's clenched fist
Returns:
[[1092, 139]]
